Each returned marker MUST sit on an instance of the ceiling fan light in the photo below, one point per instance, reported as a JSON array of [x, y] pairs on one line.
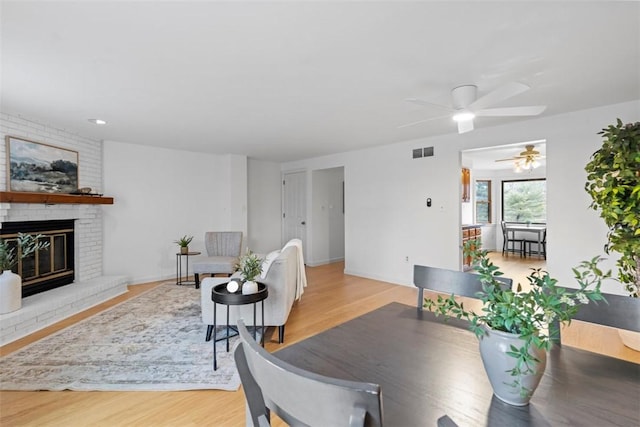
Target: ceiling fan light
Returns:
[[463, 116], [517, 168], [535, 164]]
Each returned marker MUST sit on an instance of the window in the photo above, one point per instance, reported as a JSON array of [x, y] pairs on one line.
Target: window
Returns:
[[483, 202], [524, 200]]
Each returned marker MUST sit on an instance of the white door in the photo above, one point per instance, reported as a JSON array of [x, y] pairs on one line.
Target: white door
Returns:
[[294, 208]]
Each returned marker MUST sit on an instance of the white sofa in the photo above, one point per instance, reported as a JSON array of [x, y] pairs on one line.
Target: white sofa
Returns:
[[281, 279]]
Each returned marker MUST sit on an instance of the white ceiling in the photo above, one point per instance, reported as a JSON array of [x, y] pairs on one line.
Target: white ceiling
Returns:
[[290, 80]]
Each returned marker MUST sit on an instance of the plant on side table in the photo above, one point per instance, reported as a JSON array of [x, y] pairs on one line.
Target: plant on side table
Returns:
[[516, 328], [250, 267], [613, 182], [183, 242], [11, 251]]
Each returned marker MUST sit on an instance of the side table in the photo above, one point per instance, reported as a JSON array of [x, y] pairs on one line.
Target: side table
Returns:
[[179, 279], [220, 295]]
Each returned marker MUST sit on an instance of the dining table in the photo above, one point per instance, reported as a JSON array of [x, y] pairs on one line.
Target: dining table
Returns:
[[429, 369], [537, 229]]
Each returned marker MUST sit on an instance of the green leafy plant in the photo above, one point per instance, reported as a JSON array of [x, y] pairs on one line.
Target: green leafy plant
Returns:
[[613, 182], [533, 315], [250, 266], [184, 241], [26, 244]]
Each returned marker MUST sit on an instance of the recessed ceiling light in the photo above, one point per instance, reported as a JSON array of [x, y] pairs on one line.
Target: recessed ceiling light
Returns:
[[98, 121]]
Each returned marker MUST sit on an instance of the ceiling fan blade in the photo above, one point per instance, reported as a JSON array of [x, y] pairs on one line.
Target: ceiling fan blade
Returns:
[[532, 110], [421, 121], [498, 95], [427, 103], [465, 126], [506, 160]]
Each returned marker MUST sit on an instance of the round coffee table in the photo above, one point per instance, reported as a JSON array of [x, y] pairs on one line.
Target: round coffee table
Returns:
[[220, 295]]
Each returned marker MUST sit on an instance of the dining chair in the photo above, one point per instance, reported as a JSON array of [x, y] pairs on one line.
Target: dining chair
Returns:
[[506, 240], [618, 311], [300, 397], [541, 250], [449, 282]]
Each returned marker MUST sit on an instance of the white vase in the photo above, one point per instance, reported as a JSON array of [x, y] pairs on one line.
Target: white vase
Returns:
[[10, 292], [497, 363], [630, 338], [249, 287]]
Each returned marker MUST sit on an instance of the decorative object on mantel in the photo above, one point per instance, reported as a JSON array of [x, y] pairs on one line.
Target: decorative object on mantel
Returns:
[[12, 250], [85, 191], [40, 168], [613, 182], [183, 242], [250, 267], [513, 327]]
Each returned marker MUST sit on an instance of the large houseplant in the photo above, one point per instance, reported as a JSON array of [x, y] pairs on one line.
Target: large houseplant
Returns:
[[530, 318], [613, 182]]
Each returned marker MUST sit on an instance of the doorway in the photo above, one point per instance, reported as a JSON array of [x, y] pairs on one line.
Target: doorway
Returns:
[[294, 208], [327, 211], [489, 168]]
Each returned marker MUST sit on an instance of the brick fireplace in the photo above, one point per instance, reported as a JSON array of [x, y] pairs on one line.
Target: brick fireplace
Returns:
[[89, 286]]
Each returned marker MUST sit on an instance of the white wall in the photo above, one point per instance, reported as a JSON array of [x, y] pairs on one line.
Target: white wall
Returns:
[[265, 206], [386, 218], [161, 195], [327, 226]]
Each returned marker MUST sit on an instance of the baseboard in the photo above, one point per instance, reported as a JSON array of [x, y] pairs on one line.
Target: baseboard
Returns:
[[374, 277], [324, 262]]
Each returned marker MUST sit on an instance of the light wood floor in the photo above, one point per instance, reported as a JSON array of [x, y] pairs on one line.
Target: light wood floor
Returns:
[[330, 299]]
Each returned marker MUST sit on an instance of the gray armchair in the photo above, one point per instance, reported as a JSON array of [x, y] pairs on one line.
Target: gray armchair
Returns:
[[223, 250]]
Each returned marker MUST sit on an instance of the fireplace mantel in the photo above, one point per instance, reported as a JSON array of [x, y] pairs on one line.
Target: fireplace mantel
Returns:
[[53, 198]]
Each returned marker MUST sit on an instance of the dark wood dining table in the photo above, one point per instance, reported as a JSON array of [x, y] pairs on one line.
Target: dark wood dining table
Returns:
[[428, 368]]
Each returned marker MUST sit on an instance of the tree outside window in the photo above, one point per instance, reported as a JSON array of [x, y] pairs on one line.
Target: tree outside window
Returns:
[[483, 202], [524, 200]]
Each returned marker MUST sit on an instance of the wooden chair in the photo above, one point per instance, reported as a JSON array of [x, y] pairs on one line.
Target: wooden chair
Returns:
[[619, 311], [449, 282], [300, 397]]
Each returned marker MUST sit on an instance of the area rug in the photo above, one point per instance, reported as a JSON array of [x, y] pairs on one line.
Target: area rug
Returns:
[[152, 342]]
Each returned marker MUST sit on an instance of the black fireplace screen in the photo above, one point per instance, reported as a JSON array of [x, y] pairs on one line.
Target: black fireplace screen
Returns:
[[49, 268]]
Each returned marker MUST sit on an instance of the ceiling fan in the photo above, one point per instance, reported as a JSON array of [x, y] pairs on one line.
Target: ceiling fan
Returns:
[[526, 160], [466, 105]]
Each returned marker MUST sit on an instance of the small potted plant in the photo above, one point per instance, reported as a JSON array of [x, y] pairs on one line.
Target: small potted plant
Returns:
[[11, 283], [183, 242], [250, 267], [516, 328]]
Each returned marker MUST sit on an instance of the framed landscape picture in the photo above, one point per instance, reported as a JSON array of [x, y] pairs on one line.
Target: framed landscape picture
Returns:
[[40, 168]]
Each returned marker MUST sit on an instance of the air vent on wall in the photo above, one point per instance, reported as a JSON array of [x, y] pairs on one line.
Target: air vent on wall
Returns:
[[422, 152]]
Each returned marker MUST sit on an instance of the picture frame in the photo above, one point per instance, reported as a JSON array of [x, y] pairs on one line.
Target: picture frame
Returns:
[[36, 167]]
